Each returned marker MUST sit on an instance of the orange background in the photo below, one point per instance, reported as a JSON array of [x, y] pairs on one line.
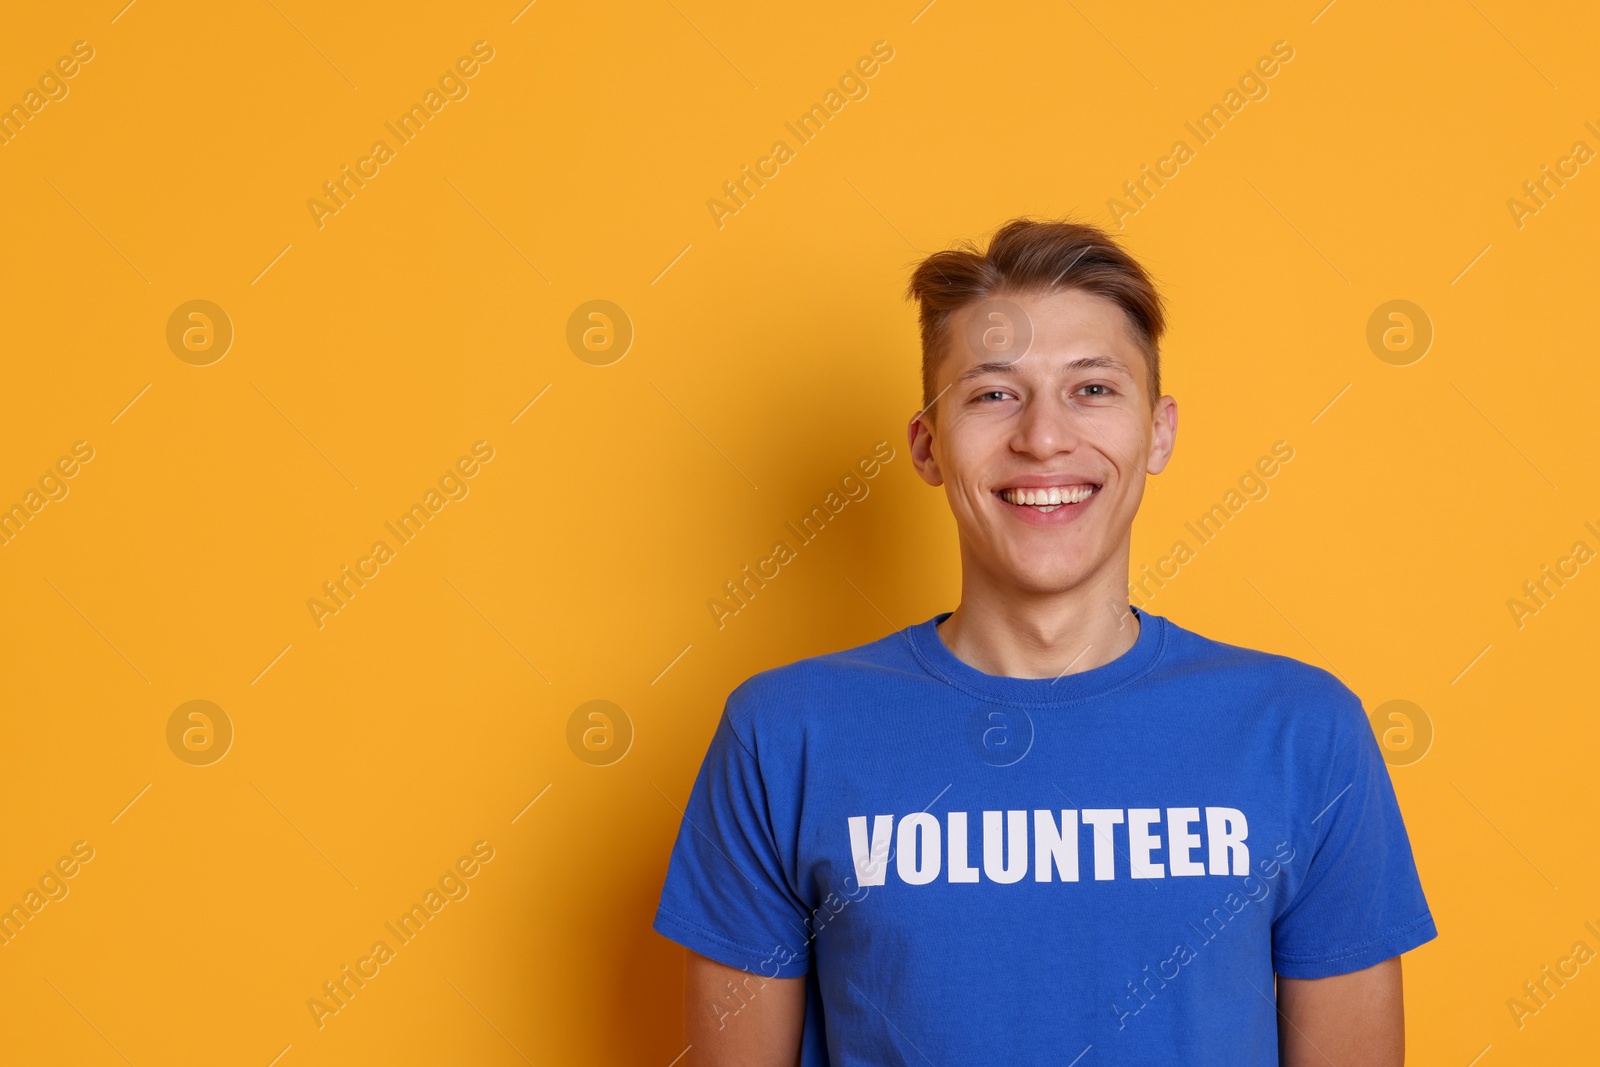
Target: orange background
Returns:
[[769, 354]]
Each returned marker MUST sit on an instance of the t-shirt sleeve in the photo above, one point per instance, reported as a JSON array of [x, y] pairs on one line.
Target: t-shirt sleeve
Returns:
[[1361, 901], [727, 895]]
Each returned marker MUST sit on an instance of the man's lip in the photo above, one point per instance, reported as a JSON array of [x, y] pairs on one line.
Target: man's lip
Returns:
[[1047, 481]]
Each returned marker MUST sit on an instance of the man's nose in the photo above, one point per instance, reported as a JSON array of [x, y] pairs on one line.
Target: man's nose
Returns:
[[1047, 426]]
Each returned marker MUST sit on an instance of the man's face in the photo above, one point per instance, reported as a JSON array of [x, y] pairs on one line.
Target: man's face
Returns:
[[1063, 417]]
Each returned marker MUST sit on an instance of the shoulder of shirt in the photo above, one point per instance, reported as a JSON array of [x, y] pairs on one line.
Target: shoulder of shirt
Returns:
[[1303, 688], [787, 695]]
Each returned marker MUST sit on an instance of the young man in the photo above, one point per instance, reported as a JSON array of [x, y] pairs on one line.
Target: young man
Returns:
[[1047, 827]]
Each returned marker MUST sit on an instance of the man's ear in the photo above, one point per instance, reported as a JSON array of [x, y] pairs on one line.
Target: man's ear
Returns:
[[1163, 435], [919, 436]]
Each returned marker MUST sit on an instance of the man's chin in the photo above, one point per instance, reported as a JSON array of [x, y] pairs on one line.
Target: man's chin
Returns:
[[1044, 578]]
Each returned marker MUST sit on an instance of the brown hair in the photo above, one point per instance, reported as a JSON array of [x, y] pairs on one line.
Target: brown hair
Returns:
[[1031, 256]]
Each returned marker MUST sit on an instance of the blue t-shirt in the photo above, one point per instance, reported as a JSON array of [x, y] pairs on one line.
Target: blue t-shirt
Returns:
[[970, 868]]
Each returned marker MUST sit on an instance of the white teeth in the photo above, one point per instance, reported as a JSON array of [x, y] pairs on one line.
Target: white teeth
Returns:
[[1047, 499]]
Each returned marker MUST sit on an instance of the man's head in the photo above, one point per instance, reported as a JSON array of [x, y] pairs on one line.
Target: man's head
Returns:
[[1041, 370]]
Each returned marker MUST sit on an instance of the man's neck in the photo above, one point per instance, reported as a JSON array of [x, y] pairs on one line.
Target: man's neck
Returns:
[[1022, 635]]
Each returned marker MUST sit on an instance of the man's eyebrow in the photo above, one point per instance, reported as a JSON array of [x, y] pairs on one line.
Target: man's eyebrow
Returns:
[[991, 367], [1081, 363]]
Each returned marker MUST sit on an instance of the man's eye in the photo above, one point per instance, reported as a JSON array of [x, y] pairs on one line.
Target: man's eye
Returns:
[[1097, 385], [992, 394]]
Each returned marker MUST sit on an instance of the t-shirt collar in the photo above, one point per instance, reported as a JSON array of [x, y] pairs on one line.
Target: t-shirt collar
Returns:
[[929, 649]]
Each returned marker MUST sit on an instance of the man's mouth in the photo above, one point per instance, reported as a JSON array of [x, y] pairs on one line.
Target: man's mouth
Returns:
[[1045, 499]]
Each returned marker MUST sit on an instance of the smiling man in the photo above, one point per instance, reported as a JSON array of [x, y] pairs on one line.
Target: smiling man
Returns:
[[1047, 827]]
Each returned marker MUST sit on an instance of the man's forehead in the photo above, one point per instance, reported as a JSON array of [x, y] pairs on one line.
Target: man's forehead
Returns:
[[1061, 332]]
